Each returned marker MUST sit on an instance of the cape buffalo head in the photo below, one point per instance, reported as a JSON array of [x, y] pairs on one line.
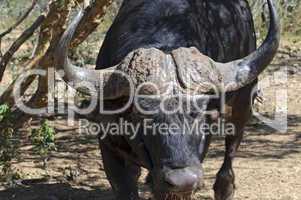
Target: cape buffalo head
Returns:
[[170, 90]]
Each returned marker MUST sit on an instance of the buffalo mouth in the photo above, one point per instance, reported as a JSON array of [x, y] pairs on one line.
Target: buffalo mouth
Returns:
[[171, 193]]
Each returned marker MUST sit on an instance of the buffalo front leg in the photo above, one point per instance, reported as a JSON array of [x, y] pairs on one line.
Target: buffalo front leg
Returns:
[[122, 175], [224, 186]]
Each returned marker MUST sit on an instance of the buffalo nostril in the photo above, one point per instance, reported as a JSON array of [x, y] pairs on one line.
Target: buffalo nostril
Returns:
[[182, 179]]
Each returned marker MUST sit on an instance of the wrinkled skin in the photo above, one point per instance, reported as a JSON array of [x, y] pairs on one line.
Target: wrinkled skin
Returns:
[[224, 31]]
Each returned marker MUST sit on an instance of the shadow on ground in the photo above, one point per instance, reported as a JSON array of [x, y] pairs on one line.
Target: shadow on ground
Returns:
[[81, 152], [263, 142], [54, 192]]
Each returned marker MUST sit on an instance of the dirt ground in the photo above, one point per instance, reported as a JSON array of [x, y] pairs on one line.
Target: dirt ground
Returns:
[[268, 165]]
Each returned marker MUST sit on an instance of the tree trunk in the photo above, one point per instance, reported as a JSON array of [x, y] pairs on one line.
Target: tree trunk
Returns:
[[51, 29]]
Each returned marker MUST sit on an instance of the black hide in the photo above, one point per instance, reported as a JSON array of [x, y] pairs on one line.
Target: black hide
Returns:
[[221, 29]]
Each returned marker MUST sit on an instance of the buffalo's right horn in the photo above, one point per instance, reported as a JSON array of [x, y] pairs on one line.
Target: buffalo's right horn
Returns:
[[239, 73]]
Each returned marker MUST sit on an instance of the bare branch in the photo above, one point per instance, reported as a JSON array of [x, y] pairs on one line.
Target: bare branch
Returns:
[[1, 55], [18, 43], [52, 26], [22, 18], [50, 33], [90, 21]]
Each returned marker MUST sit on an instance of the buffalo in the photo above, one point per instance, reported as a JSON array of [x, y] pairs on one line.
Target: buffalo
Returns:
[[177, 54]]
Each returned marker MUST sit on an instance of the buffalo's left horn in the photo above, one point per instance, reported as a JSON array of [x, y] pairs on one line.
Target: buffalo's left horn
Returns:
[[238, 74], [112, 82]]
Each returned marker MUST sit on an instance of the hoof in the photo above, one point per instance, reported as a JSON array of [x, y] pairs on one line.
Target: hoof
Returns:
[[224, 187]]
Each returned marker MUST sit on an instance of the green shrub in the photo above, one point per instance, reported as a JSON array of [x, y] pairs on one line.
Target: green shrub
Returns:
[[43, 140], [8, 144]]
